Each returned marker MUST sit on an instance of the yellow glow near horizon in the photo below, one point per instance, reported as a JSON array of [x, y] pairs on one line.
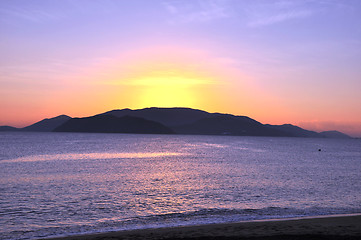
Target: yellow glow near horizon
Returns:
[[166, 76], [167, 96], [173, 87]]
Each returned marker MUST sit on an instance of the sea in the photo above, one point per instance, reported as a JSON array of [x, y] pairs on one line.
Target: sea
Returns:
[[62, 184]]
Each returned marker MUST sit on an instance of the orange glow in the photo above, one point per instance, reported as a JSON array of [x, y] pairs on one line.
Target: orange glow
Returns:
[[160, 77], [168, 76]]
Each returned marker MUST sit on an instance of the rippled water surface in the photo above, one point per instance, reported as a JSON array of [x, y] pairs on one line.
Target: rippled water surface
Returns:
[[55, 184]]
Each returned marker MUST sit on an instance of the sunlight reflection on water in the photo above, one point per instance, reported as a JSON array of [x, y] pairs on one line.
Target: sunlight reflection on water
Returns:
[[89, 156]]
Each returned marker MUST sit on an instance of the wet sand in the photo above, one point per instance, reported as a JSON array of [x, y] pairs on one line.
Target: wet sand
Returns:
[[333, 227]]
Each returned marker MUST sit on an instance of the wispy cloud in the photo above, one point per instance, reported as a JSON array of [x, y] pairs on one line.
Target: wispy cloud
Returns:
[[45, 11], [196, 11], [280, 17], [30, 14], [274, 12], [49, 70], [171, 7]]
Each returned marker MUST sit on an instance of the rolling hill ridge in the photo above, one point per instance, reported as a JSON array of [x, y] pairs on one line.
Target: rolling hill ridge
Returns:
[[170, 121]]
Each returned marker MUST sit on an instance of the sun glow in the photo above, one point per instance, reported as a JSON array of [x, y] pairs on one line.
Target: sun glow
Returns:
[[176, 87], [168, 77], [167, 96]]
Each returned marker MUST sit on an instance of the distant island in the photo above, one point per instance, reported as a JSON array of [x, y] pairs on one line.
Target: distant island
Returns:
[[170, 121]]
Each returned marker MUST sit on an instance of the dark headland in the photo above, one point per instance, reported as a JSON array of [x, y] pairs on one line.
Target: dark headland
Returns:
[[113, 124], [170, 121]]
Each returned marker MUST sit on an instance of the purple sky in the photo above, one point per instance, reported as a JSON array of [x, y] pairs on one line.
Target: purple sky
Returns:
[[279, 62]]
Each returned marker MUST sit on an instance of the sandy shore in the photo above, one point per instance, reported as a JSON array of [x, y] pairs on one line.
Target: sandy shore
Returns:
[[340, 227]]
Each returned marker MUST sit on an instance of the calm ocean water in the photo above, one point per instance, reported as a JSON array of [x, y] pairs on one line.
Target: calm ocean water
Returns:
[[55, 184]]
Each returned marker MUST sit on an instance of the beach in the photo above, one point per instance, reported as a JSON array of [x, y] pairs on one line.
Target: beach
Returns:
[[330, 227]]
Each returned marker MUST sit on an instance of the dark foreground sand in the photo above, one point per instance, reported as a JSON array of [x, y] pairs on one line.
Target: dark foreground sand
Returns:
[[340, 227]]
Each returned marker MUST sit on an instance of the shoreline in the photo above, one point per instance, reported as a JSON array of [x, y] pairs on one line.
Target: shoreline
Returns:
[[347, 226]]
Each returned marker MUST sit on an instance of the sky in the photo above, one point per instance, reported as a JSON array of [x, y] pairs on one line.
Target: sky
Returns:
[[281, 61]]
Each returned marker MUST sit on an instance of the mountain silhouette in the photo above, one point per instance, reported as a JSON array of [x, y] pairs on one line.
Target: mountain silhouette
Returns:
[[176, 120], [224, 124], [194, 121], [334, 134], [167, 116], [47, 125], [8, 129], [113, 124], [171, 120], [294, 131]]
